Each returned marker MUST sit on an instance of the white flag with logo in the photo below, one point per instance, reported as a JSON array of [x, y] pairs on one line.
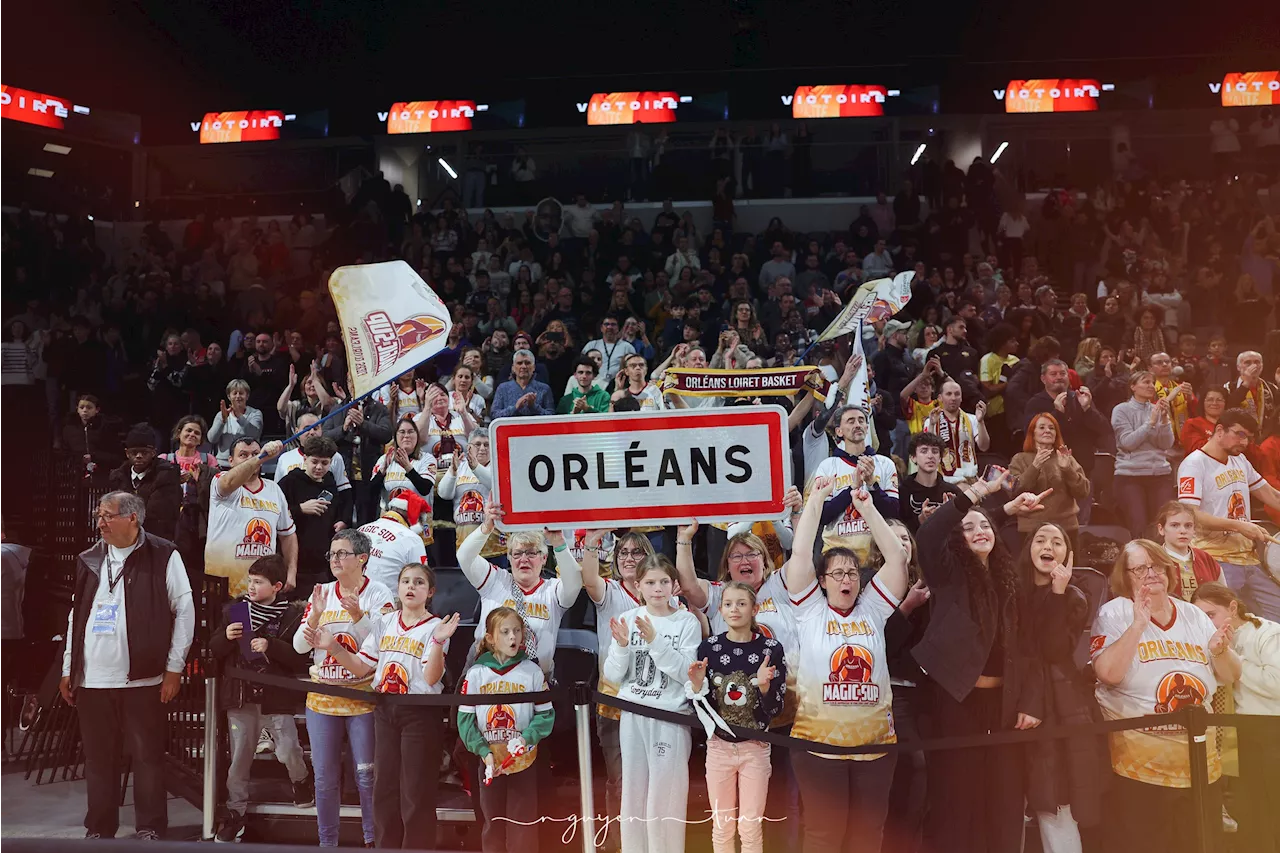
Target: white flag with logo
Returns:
[[875, 300], [391, 321]]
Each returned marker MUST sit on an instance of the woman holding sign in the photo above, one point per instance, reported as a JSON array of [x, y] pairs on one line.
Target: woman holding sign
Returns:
[[843, 676]]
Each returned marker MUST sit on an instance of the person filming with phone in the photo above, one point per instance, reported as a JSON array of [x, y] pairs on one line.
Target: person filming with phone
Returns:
[[318, 508]]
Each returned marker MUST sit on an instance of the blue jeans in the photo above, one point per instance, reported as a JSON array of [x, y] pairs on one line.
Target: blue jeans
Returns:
[[325, 732], [1260, 591], [1139, 500]]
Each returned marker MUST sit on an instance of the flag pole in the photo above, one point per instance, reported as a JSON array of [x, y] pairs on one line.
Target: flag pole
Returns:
[[347, 405]]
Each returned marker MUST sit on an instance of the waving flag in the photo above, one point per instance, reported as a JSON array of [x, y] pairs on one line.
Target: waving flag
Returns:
[[875, 300], [391, 321]]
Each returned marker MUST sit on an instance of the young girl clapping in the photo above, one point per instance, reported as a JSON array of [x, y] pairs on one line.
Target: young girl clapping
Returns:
[[405, 651], [740, 678], [506, 736], [653, 649]]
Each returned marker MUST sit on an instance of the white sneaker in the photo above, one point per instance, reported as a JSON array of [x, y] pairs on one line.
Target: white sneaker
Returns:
[[1228, 822], [266, 743]]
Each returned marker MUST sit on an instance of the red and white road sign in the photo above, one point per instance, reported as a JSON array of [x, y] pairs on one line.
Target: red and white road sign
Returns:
[[641, 468]]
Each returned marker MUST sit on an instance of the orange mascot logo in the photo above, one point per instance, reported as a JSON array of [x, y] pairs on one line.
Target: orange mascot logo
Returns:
[[1178, 690], [850, 681], [257, 540], [330, 668], [500, 718], [394, 680]]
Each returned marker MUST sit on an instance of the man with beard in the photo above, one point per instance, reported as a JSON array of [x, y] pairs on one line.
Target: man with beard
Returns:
[[1084, 429], [1217, 481], [854, 466], [267, 372]]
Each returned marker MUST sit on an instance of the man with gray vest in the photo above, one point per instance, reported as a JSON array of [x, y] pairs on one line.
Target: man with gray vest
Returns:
[[130, 628]]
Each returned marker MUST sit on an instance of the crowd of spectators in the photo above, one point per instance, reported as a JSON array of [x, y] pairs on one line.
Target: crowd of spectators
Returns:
[[1109, 349]]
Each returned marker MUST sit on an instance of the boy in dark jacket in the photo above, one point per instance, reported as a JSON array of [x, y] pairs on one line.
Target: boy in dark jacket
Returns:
[[151, 478], [317, 508], [94, 437], [252, 707]]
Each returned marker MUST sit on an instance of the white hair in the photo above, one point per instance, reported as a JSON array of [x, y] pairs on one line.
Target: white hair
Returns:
[[1241, 357]]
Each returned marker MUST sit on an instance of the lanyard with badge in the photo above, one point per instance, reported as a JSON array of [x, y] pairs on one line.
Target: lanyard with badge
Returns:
[[107, 614]]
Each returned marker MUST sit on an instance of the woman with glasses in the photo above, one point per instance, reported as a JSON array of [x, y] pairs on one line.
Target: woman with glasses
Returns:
[[843, 677], [1156, 654], [541, 602], [613, 595], [346, 609]]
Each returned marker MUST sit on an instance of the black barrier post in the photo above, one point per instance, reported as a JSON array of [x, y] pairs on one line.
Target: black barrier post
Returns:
[[582, 694], [1197, 748], [209, 803]]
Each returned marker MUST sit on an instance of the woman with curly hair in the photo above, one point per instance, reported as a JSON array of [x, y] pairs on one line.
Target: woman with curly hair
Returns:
[[986, 676], [743, 320], [1149, 337]]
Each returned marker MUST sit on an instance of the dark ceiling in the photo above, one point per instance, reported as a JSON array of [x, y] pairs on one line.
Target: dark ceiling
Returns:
[[176, 58]]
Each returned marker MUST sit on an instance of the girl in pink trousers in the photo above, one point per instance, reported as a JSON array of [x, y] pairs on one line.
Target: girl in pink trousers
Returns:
[[739, 678]]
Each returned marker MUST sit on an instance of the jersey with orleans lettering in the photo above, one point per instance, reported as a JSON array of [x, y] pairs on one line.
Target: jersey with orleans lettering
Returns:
[[244, 526], [843, 678], [397, 479], [1220, 489], [542, 606], [776, 620], [1171, 670], [398, 653], [392, 545], [500, 723], [850, 530], [375, 601], [292, 459]]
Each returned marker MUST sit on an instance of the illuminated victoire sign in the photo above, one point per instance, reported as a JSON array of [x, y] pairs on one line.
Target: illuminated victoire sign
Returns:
[[632, 107], [36, 107], [1052, 95], [430, 116], [850, 100], [1248, 88], [241, 125]]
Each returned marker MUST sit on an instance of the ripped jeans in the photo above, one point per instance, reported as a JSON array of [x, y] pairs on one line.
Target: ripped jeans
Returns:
[[325, 732]]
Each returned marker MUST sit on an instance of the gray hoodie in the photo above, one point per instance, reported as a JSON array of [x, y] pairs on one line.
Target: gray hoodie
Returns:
[[1141, 449]]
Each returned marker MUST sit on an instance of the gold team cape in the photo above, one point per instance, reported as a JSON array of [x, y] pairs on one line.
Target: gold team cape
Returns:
[[760, 382]]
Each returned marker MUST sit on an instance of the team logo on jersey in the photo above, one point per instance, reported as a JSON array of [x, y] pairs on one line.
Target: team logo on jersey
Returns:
[[1186, 487], [850, 680], [765, 630], [1096, 643], [257, 540], [500, 718], [1178, 690], [469, 509], [1235, 507], [394, 679], [330, 668], [392, 340]]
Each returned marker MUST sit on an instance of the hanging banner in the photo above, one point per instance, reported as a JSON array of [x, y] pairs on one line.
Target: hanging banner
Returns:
[[391, 321]]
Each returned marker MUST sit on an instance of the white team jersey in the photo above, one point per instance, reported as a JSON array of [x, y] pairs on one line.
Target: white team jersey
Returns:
[[433, 433], [776, 620], [650, 399], [542, 606], [398, 653], [1172, 669], [375, 601], [292, 459], [843, 675], [469, 495], [576, 540], [639, 676], [243, 526], [500, 723], [851, 525], [408, 400], [396, 478], [1220, 489], [393, 545]]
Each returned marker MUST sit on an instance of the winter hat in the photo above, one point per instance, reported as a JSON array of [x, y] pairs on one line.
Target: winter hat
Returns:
[[140, 435], [409, 507]]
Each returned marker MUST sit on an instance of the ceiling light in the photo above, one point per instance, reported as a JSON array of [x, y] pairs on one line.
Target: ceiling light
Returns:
[[40, 173], [915, 157], [54, 148], [447, 167], [999, 151]]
